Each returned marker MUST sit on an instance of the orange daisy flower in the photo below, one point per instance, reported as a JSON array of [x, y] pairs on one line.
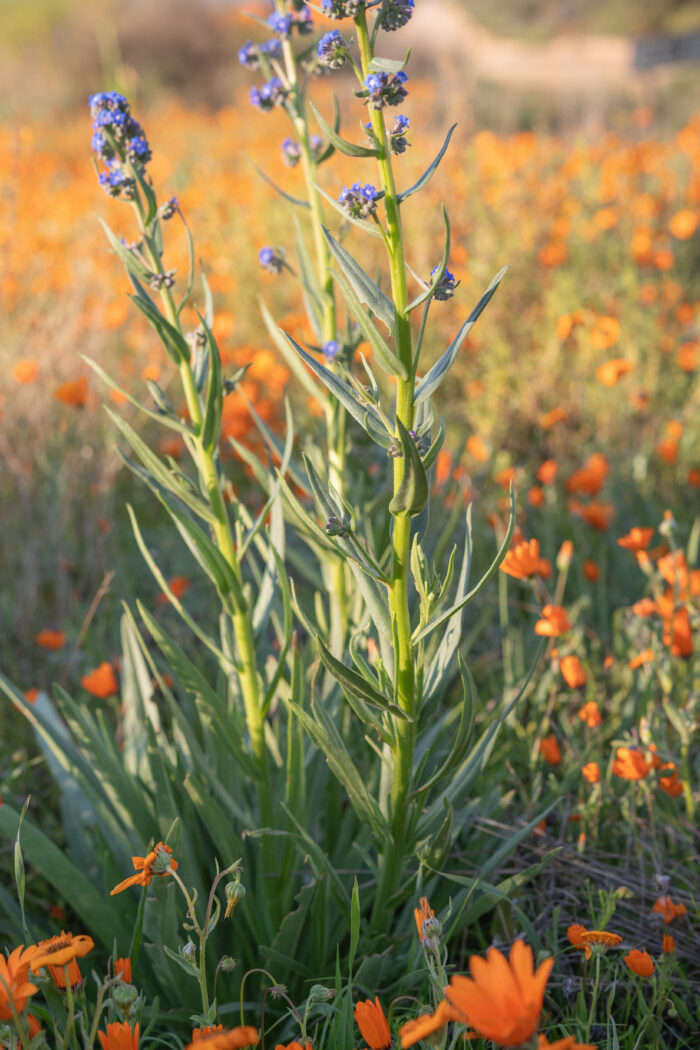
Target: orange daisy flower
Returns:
[[102, 682], [51, 639], [645, 657], [591, 772], [179, 585], [669, 944], [74, 392], [671, 785], [122, 968], [669, 909], [582, 938], [591, 571], [553, 623], [15, 986], [502, 1000], [424, 1026], [373, 1024], [294, 1045], [640, 963], [26, 370], [158, 862], [422, 914], [572, 671], [547, 472], [119, 1036], [636, 539], [610, 372], [523, 560], [630, 764], [61, 950], [233, 1039], [550, 749], [590, 714], [567, 1043]]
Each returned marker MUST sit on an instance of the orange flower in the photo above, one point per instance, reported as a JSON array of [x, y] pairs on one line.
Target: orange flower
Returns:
[[604, 333], [373, 1024], [197, 1033], [591, 772], [630, 764], [667, 449], [294, 1045], [233, 1039], [636, 539], [535, 496], [102, 682], [582, 938], [119, 1036], [683, 224], [422, 914], [597, 515], [591, 571], [611, 372], [26, 371], [550, 749], [502, 999], [640, 963], [158, 862], [425, 1025], [678, 635], [644, 607], [687, 357], [669, 944], [671, 785], [122, 968], [551, 418], [73, 392], [179, 585], [568, 1043], [547, 471], [554, 622], [553, 254], [477, 448], [31, 695], [590, 714], [523, 560], [670, 910], [15, 986], [573, 674], [51, 639], [590, 477], [58, 974], [645, 657]]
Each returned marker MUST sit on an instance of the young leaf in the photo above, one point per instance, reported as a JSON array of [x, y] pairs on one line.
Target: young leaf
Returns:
[[357, 684]]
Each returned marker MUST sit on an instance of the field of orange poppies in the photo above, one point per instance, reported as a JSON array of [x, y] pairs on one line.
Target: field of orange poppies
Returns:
[[548, 812]]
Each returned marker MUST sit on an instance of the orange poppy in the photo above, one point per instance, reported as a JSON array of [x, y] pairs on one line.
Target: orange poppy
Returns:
[[572, 672], [590, 569], [640, 963], [233, 1039], [668, 944], [611, 372], [523, 560], [26, 371], [645, 657], [630, 764], [590, 477], [554, 622], [424, 1026], [15, 986], [158, 862], [591, 772], [669, 909], [51, 639], [547, 472], [119, 1036], [582, 938], [422, 915], [671, 785], [590, 714], [122, 968], [62, 949], [502, 1000], [636, 539], [102, 682], [549, 747], [373, 1024], [74, 392]]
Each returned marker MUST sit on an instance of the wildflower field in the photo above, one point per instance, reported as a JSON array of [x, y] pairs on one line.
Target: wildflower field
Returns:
[[350, 585]]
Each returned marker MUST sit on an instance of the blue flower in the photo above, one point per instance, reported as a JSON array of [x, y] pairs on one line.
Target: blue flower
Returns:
[[248, 55], [446, 285], [332, 50], [331, 348], [272, 48], [397, 135], [119, 141], [395, 14], [291, 153], [271, 260], [280, 24], [385, 89], [304, 21], [116, 183], [271, 94], [359, 202]]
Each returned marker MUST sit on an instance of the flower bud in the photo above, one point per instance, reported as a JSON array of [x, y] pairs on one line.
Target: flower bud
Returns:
[[235, 892], [124, 997]]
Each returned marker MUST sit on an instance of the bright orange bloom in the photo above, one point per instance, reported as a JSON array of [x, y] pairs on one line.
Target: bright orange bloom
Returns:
[[373, 1024], [590, 477], [26, 371], [611, 372], [554, 622], [694, 477], [551, 418], [640, 963], [73, 392], [548, 471], [669, 909], [523, 560], [179, 585], [568, 1043], [597, 515], [678, 635], [233, 1039], [669, 944], [630, 764], [505, 477], [119, 1036], [122, 968], [294, 1045], [102, 682], [687, 357], [591, 772], [582, 938], [671, 785], [667, 449], [645, 657], [683, 224], [550, 749], [62, 949], [574, 675], [15, 986], [31, 695], [554, 253], [425, 1025], [58, 974], [477, 448], [636, 539], [590, 714], [502, 1000], [158, 862], [604, 333], [644, 607], [591, 571], [422, 914], [535, 496], [51, 639]]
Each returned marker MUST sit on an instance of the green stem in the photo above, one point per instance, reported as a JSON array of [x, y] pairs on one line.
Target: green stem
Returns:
[[594, 997]]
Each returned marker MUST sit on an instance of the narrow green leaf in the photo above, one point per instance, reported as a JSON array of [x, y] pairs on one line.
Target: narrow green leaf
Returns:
[[211, 424], [352, 682], [365, 288], [132, 263], [412, 494], [467, 720], [158, 417], [429, 171], [442, 266], [389, 65], [350, 149], [173, 340], [292, 200], [385, 358], [280, 340]]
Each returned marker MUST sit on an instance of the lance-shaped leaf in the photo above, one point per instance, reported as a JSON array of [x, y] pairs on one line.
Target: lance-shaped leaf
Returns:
[[292, 200], [429, 171], [173, 340], [352, 682], [438, 275], [364, 287], [432, 379], [350, 149], [493, 567], [132, 262], [386, 358], [208, 555], [467, 718], [369, 227], [208, 300], [337, 387], [159, 417], [280, 340], [412, 494], [441, 666], [389, 65], [190, 267], [211, 424], [313, 293]]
